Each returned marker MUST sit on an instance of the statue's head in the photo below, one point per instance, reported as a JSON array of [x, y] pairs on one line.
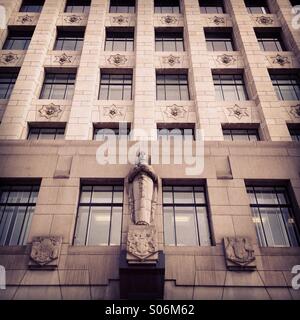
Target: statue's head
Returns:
[[142, 158]]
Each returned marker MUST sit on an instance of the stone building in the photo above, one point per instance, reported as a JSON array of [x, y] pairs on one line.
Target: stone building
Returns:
[[227, 72]]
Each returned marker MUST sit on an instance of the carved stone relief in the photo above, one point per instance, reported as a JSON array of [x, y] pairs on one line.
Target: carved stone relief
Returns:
[[281, 60], [50, 111], [295, 111], [239, 253], [9, 58], [175, 112], [171, 60], [169, 20], [45, 252], [264, 20], [25, 19], [238, 112], [216, 20], [120, 20], [73, 18], [117, 59], [226, 59], [63, 58], [114, 112]]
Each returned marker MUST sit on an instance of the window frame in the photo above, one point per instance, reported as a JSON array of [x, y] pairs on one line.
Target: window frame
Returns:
[[194, 205], [69, 87], [10, 83], [264, 38], [160, 4], [294, 133], [91, 205], [73, 6], [231, 133], [278, 87], [225, 37], [62, 38], [118, 131], [280, 206], [218, 6], [251, 4], [16, 35], [26, 223], [129, 8], [111, 39], [26, 6], [162, 37], [56, 133]]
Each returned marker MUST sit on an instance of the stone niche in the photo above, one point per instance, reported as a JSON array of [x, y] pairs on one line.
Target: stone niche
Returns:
[[239, 254]]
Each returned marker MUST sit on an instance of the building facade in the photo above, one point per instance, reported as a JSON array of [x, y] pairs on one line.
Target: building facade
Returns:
[[225, 71]]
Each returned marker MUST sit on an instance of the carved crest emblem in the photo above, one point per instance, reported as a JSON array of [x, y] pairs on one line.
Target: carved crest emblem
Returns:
[[113, 111], [50, 111], [217, 20], [25, 19], [175, 111], [238, 112], [226, 59], [73, 18], [264, 20], [168, 20], [295, 111], [117, 59], [8, 58], [62, 59], [141, 242], [45, 249], [239, 250], [120, 19], [279, 59], [171, 60]]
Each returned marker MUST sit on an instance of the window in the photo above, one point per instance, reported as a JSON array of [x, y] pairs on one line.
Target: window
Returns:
[[58, 86], [7, 82], [230, 87], [46, 133], [69, 40], [185, 216], [241, 134], [166, 6], [166, 131], [257, 6], [172, 87], [295, 2], [32, 5], [78, 6], [294, 132], [270, 41], [119, 39], [287, 86], [122, 6], [219, 41], [273, 217], [17, 40], [123, 129], [17, 204], [211, 6], [99, 218], [115, 86], [169, 41]]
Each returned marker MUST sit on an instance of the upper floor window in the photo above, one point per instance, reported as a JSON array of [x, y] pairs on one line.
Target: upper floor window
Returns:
[[17, 205], [270, 41], [99, 217], [58, 85], [46, 133], [273, 216], [219, 41], [287, 86], [185, 131], [69, 40], [211, 6], [172, 87], [294, 132], [185, 216], [32, 5], [169, 40], [117, 130], [115, 86], [122, 6], [166, 6], [7, 83], [230, 87], [257, 6], [78, 6], [18, 40], [295, 2], [119, 39], [240, 134]]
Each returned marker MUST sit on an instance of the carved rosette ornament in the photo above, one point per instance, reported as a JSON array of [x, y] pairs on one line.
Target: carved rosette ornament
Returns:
[[171, 60], [169, 20], [45, 252], [217, 20], [175, 112], [281, 60], [113, 111], [120, 20], [239, 253], [9, 58], [264, 20], [226, 59], [25, 19], [295, 111], [117, 59], [142, 242], [73, 18], [238, 112], [62, 59], [50, 111]]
